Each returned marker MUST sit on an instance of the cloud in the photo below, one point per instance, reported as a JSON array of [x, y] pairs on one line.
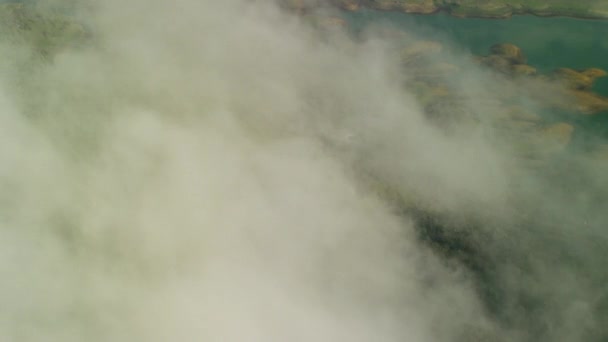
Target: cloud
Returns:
[[225, 172]]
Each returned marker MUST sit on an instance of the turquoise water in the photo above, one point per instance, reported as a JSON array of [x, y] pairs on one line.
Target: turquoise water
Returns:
[[548, 43]]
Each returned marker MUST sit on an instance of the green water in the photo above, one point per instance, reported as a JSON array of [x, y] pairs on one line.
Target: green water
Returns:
[[548, 43]]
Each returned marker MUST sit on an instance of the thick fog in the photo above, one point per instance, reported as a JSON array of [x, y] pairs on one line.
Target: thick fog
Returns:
[[230, 171]]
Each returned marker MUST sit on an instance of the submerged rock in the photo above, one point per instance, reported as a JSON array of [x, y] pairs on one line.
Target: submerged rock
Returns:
[[579, 84], [574, 94], [600, 153], [331, 22], [540, 144], [523, 70], [521, 114], [594, 73], [422, 49], [395, 36], [508, 59], [433, 72], [581, 80], [573, 79], [496, 62], [510, 52], [560, 133], [589, 103]]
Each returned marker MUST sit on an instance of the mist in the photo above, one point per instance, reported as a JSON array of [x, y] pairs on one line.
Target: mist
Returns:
[[228, 171]]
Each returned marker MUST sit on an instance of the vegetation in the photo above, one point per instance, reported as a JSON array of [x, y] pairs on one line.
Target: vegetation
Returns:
[[44, 31], [489, 8]]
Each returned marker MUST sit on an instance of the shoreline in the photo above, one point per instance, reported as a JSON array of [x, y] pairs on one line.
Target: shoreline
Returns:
[[437, 9]]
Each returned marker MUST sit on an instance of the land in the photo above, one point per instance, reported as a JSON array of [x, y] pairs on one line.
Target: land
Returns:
[[595, 9], [42, 30]]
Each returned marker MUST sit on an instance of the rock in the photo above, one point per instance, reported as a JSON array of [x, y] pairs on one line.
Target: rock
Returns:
[[508, 59], [348, 5], [420, 49], [332, 22], [538, 144], [589, 103], [427, 94], [523, 70], [418, 6], [520, 114], [573, 79], [594, 73], [300, 6], [582, 80], [433, 71], [424, 7], [579, 84], [496, 62], [600, 153], [510, 52], [551, 140], [443, 69], [294, 5], [394, 35], [515, 122], [560, 133], [485, 9]]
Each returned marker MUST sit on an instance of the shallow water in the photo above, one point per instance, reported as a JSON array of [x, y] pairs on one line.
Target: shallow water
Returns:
[[548, 43]]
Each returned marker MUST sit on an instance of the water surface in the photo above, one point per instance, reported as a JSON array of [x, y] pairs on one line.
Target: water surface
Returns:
[[548, 43]]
